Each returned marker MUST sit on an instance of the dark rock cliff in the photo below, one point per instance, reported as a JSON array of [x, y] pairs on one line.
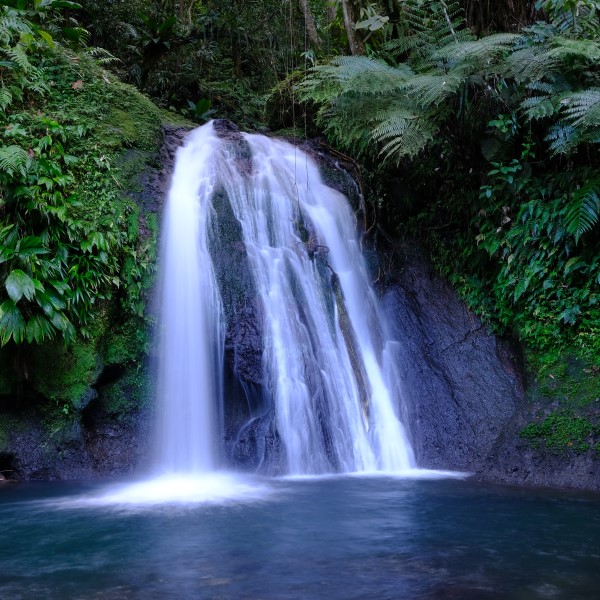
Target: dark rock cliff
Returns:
[[461, 384], [463, 391]]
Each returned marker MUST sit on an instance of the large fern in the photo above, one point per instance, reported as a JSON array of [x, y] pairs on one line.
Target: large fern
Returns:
[[14, 159], [582, 110], [583, 211], [367, 102], [12, 25], [551, 76], [472, 52], [429, 27]]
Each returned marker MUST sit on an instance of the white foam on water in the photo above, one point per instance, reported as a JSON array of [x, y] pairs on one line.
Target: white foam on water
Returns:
[[210, 488], [401, 474]]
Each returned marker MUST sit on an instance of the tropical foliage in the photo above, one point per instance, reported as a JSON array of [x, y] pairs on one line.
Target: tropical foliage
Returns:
[[61, 254], [516, 118]]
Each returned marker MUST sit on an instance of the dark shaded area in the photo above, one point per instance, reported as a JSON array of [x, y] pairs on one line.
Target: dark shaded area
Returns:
[[486, 16], [7, 466]]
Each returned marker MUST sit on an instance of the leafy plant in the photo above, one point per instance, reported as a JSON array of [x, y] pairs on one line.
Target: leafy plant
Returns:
[[54, 265]]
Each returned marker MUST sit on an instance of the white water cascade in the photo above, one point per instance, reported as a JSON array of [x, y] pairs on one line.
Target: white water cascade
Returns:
[[324, 359], [191, 332]]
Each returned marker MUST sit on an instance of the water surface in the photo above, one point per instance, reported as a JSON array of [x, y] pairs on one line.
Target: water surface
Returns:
[[340, 537]]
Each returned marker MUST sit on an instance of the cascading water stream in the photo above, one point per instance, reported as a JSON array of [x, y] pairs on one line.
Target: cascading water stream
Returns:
[[191, 335], [323, 358]]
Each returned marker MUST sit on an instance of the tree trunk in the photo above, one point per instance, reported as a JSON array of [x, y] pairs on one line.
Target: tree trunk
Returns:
[[331, 13], [356, 46], [311, 29]]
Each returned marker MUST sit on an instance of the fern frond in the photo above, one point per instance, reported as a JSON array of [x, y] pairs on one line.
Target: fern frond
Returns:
[[554, 85], [566, 48], [13, 159], [77, 36], [38, 86], [403, 133], [582, 109], [18, 56], [583, 212], [431, 89], [12, 25], [531, 64], [430, 26], [351, 75], [403, 45], [538, 107], [5, 97], [536, 34], [102, 56], [563, 138], [16, 91], [584, 20], [476, 52]]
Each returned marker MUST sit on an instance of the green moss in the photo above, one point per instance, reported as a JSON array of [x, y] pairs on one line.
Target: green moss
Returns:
[[131, 392], [131, 164], [171, 118], [564, 376], [125, 342], [565, 384], [65, 374], [562, 431]]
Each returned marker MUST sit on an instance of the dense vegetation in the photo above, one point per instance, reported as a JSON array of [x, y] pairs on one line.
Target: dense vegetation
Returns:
[[477, 126], [76, 254], [499, 135]]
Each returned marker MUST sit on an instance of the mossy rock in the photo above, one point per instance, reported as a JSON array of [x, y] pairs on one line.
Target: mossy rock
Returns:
[[566, 377], [129, 393], [563, 431], [126, 342], [565, 388], [66, 374]]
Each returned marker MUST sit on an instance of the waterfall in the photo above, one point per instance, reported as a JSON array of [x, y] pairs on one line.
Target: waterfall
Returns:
[[191, 334], [324, 357]]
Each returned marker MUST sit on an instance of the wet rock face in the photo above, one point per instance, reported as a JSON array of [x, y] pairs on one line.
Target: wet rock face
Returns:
[[230, 132], [89, 450], [155, 182], [461, 384]]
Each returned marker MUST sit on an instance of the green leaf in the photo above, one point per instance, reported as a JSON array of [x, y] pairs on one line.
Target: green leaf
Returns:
[[583, 212], [65, 4], [60, 286], [570, 315], [38, 329], [19, 284], [12, 323], [29, 246], [44, 302], [46, 37]]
